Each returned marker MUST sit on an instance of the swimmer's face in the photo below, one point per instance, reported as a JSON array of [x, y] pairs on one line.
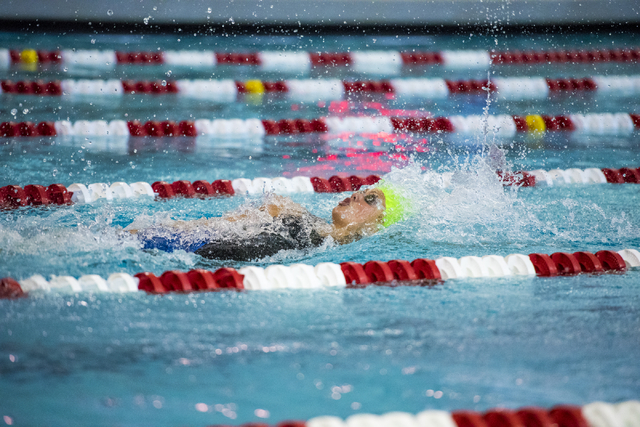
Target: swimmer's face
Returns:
[[362, 208]]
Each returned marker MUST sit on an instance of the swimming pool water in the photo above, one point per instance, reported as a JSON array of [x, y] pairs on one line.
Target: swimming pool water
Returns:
[[473, 343]]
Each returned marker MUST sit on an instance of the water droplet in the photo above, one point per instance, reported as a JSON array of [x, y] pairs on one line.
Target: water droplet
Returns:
[[25, 111], [14, 112], [55, 172], [155, 7], [93, 41], [164, 83], [209, 10], [109, 12], [168, 73]]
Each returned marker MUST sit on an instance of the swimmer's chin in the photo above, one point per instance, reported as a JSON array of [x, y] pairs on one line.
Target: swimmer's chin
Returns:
[[353, 232]]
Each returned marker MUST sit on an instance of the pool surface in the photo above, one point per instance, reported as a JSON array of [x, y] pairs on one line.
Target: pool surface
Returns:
[[235, 357]]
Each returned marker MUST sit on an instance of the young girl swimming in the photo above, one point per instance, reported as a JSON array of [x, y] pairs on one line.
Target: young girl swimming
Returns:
[[278, 224]]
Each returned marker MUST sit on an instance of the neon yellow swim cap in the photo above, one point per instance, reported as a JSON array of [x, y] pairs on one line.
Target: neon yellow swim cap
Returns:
[[399, 204]]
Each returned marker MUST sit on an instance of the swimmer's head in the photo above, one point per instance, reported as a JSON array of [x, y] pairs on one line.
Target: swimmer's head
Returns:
[[362, 208], [398, 203]]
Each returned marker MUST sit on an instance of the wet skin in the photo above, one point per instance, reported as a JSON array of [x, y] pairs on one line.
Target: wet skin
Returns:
[[363, 208]]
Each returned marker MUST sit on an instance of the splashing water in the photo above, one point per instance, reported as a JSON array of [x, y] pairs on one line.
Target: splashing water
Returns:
[[475, 214]]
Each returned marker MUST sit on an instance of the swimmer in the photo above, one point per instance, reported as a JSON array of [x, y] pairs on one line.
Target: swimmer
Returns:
[[278, 224]]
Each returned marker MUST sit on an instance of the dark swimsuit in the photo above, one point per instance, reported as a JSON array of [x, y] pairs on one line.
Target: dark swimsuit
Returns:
[[288, 232]]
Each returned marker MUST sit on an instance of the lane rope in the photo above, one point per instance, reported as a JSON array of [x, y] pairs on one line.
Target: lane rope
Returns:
[[418, 272], [227, 91], [360, 61], [14, 196], [504, 126]]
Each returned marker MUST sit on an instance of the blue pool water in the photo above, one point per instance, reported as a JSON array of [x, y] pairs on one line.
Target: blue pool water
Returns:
[[229, 358]]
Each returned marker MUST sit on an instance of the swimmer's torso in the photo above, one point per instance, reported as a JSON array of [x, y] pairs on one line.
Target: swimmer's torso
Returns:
[[243, 241]]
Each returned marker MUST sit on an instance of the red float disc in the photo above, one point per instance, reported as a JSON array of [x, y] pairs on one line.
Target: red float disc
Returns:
[[58, 194], [613, 176], [228, 278], [356, 182], [371, 179], [426, 269], [172, 87], [321, 185], [521, 124], [611, 260], [589, 263], [10, 289], [8, 86], [148, 282], [502, 418], [292, 424], [183, 188], [158, 87], [399, 124], [304, 126], [170, 128], [444, 124], [354, 273], [271, 127], [136, 128], [9, 129], [525, 179], [568, 416], [187, 128], [174, 280], [468, 419], [630, 175], [128, 86], [24, 87], [12, 196], [27, 129], [319, 125], [203, 188], [144, 87], [543, 265], [535, 417], [223, 187], [163, 189], [379, 271], [339, 184], [46, 129], [36, 195], [402, 270], [154, 128], [202, 280], [288, 126], [566, 263]]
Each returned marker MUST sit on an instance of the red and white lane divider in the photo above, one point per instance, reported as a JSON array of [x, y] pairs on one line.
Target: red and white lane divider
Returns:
[[596, 414], [377, 61], [346, 274], [512, 88], [586, 176], [618, 124], [14, 196]]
